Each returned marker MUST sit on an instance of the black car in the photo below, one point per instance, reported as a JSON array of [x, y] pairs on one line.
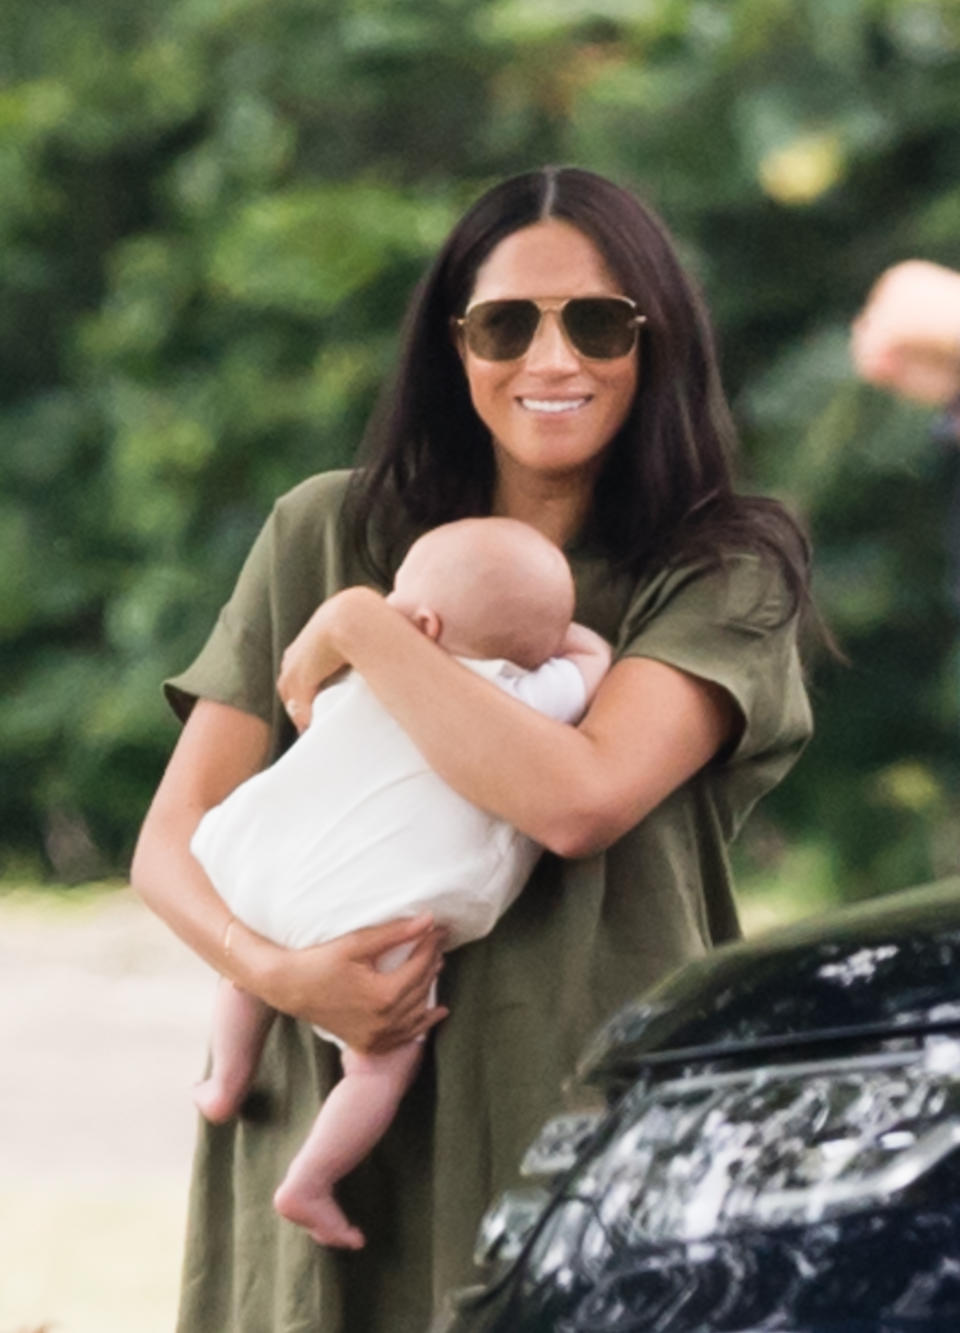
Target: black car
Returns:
[[776, 1147]]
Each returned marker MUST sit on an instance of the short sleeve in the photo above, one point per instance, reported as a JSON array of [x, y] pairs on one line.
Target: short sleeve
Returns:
[[295, 562], [555, 688], [234, 666], [732, 625]]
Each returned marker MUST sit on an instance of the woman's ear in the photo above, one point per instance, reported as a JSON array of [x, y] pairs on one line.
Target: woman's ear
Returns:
[[427, 622]]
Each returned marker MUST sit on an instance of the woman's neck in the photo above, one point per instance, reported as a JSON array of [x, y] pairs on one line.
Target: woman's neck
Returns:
[[556, 506]]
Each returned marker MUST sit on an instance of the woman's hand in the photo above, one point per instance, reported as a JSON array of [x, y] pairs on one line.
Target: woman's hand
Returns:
[[315, 655], [337, 986]]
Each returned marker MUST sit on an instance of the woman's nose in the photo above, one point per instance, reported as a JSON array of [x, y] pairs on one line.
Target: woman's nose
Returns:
[[551, 350]]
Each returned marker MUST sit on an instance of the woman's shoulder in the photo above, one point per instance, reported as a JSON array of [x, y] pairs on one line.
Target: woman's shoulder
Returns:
[[742, 586], [306, 520], [311, 538], [318, 497], [739, 586], [741, 590]]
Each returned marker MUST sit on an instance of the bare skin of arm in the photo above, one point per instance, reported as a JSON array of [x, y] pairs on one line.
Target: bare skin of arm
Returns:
[[907, 337], [575, 790], [333, 985]]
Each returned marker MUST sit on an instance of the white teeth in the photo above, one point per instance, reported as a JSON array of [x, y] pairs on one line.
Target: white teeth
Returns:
[[552, 404]]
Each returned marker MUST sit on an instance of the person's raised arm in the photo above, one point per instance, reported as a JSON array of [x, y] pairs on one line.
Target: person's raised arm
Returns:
[[575, 790], [907, 337], [334, 985]]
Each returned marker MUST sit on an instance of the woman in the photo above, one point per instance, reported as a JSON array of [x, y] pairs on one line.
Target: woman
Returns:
[[590, 407]]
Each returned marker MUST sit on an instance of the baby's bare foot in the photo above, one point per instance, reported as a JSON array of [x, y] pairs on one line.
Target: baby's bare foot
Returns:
[[217, 1102], [320, 1215]]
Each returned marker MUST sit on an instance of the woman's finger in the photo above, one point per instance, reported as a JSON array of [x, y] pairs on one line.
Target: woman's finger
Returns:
[[405, 999], [297, 710], [409, 1005], [397, 1035], [416, 975], [372, 941], [429, 1020], [296, 696]]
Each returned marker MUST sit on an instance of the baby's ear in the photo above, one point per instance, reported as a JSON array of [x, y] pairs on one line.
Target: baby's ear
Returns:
[[427, 622]]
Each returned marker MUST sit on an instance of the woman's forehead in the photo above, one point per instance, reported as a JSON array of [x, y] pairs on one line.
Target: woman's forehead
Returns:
[[547, 259]]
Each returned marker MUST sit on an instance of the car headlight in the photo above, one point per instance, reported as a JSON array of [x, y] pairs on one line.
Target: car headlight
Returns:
[[706, 1156], [507, 1225]]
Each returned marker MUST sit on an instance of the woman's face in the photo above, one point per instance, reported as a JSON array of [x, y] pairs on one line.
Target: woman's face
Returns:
[[550, 412]]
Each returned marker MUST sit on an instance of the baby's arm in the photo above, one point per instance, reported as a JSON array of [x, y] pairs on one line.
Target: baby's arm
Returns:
[[589, 653]]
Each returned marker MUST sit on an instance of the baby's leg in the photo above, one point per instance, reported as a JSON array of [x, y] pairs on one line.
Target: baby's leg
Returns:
[[351, 1120], [240, 1025]]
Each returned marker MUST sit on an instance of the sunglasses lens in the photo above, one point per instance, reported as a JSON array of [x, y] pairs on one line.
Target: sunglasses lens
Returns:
[[600, 327], [501, 330]]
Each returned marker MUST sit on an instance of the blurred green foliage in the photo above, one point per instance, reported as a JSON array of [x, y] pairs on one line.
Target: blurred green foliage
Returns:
[[211, 215]]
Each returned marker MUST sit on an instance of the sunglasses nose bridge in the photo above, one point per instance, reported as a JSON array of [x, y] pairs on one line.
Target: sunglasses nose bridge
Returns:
[[551, 341]]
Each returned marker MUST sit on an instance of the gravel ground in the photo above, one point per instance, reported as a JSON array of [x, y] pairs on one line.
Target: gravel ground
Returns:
[[103, 1019]]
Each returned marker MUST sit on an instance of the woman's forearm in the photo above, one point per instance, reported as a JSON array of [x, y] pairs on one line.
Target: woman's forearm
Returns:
[[497, 752], [335, 985], [173, 884], [219, 748], [573, 789]]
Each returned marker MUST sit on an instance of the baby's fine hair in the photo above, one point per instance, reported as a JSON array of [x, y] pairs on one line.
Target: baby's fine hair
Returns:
[[503, 588]]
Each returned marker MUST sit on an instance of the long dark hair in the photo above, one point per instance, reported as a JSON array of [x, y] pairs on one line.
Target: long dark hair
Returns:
[[665, 493]]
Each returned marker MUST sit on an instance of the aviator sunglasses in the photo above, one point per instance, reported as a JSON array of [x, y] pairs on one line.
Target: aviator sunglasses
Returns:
[[599, 327]]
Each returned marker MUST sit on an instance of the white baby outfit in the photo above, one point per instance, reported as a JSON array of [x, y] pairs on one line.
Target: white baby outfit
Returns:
[[351, 827]]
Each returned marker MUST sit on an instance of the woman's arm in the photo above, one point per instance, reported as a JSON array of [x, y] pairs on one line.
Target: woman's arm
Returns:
[[333, 985], [575, 790]]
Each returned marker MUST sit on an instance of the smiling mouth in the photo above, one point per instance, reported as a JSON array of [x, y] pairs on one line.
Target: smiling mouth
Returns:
[[554, 406]]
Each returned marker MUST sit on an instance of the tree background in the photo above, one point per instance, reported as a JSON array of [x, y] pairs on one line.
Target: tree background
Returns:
[[211, 215]]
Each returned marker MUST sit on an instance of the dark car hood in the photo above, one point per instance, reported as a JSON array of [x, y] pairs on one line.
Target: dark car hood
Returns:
[[886, 967]]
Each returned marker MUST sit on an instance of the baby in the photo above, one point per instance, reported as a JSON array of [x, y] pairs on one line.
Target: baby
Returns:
[[351, 828]]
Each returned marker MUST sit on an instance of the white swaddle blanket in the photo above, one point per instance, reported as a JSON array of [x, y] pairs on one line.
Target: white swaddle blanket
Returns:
[[351, 827]]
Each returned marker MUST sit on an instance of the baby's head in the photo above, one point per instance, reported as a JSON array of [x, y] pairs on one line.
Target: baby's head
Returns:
[[487, 587]]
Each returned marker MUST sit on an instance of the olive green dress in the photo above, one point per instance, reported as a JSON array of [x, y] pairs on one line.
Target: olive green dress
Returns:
[[584, 937]]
